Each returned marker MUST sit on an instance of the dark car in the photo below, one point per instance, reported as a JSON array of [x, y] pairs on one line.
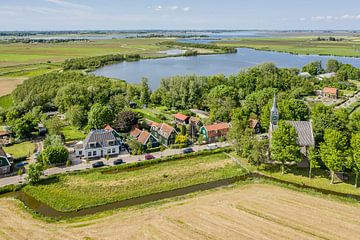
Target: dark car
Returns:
[[149, 157], [188, 150], [98, 164], [118, 162]]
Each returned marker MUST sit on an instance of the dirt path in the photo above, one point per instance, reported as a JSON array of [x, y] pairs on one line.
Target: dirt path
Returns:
[[256, 211]]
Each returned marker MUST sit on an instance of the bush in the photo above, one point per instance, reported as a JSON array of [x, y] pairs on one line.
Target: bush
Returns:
[[54, 155], [178, 146], [155, 149]]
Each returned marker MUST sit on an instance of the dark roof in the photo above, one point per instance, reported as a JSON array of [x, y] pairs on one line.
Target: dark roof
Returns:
[[304, 131], [3, 158], [101, 138]]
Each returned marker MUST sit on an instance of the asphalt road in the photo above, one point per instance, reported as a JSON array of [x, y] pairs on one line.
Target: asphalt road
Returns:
[[82, 165]]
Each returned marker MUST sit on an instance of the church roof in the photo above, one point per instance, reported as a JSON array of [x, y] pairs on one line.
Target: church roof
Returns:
[[304, 131], [274, 105]]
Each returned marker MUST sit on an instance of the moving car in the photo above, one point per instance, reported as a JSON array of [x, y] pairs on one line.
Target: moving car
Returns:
[[98, 164], [188, 150], [149, 157], [118, 162]]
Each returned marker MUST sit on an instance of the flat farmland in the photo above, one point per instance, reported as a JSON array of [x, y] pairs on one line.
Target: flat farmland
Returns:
[[23, 53], [253, 211]]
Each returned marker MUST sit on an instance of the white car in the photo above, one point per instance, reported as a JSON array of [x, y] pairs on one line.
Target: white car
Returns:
[[212, 146]]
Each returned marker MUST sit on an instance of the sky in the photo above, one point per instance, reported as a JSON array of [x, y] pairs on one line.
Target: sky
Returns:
[[179, 14]]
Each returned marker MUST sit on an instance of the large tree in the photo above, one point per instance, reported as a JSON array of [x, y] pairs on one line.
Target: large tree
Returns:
[[333, 151], [332, 65], [76, 115], [284, 147], [125, 120], [54, 154], [99, 115], [355, 147], [314, 68], [145, 91]]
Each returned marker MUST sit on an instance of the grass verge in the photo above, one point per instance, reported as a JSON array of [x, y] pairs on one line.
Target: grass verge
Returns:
[[71, 133], [74, 192], [21, 150]]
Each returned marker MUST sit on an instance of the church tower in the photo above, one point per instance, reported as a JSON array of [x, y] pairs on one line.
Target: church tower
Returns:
[[274, 113]]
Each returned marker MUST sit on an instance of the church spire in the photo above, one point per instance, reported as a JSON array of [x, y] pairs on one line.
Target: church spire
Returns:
[[274, 113]]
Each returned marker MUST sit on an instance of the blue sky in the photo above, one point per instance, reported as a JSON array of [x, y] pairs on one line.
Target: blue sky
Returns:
[[179, 14]]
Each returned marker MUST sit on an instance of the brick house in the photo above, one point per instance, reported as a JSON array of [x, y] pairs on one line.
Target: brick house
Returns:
[[330, 92], [181, 118], [212, 133]]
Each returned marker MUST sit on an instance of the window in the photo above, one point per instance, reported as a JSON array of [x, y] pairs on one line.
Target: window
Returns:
[[89, 154], [113, 150], [109, 150], [94, 153], [80, 152], [92, 145]]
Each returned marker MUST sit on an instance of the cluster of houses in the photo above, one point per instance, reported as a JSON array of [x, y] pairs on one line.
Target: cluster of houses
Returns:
[[107, 142]]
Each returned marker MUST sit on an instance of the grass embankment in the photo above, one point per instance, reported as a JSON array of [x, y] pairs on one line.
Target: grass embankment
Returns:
[[73, 192], [320, 179], [20, 150], [71, 133], [349, 47]]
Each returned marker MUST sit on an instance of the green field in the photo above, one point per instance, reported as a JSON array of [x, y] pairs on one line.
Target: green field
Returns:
[[73, 192], [301, 45], [22, 53], [72, 134], [21, 150]]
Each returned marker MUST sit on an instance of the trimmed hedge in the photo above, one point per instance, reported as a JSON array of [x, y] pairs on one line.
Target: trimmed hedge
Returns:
[[178, 146], [155, 149]]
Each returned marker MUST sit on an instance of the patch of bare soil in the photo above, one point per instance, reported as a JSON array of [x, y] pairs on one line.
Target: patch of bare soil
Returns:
[[7, 84], [256, 211]]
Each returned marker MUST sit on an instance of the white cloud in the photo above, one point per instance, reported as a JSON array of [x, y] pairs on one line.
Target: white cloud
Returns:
[[335, 18], [302, 19], [167, 8], [69, 5]]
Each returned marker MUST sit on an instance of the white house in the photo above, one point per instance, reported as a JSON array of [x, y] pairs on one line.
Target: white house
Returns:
[[5, 166], [99, 143]]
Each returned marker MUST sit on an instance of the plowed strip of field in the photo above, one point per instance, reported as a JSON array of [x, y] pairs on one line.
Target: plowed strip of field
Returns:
[[256, 211]]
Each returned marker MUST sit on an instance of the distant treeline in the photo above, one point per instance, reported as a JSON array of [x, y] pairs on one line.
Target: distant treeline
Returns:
[[30, 40], [331, 39], [153, 35], [93, 63], [200, 45]]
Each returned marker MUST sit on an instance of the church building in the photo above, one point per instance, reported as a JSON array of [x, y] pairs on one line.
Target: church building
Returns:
[[305, 135]]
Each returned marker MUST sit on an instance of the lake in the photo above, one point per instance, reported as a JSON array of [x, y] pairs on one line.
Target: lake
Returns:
[[156, 69]]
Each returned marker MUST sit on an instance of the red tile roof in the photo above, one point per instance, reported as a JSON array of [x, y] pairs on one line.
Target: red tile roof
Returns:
[[330, 90], [217, 127], [181, 117], [4, 133], [108, 127], [143, 137], [153, 124], [135, 132], [166, 130]]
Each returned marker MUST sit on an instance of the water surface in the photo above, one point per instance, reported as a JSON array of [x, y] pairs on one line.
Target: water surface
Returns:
[[156, 69]]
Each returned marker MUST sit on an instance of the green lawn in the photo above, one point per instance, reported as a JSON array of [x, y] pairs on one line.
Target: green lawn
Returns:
[[20, 150], [72, 192], [71, 133], [6, 101], [301, 45]]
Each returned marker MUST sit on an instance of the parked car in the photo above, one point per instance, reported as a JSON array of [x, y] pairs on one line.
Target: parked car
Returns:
[[118, 162], [21, 164], [98, 164], [149, 157], [188, 150], [212, 146]]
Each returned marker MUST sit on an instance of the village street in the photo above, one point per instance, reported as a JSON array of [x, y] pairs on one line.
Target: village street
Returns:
[[79, 165]]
